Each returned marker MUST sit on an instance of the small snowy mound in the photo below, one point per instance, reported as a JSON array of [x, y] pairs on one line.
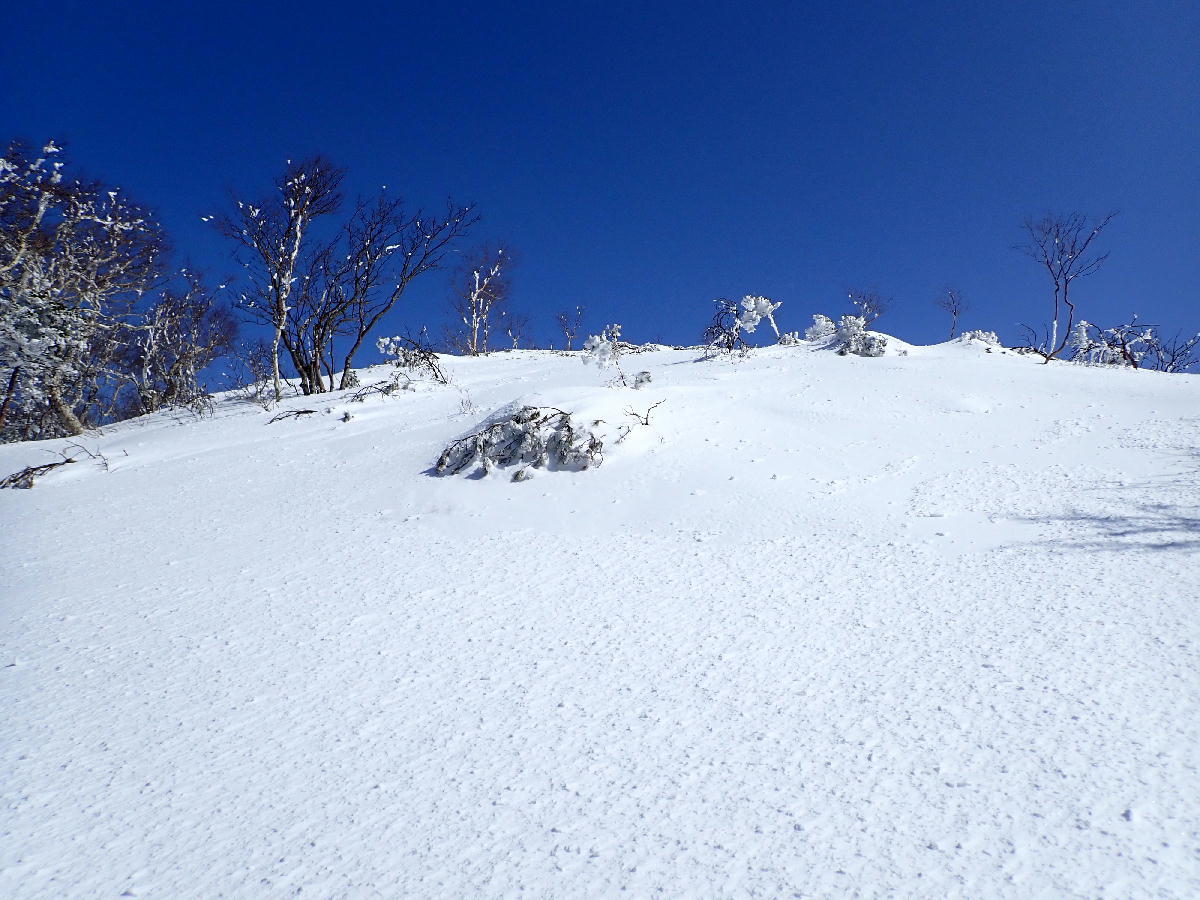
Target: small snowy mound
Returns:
[[568, 433], [542, 437], [849, 336]]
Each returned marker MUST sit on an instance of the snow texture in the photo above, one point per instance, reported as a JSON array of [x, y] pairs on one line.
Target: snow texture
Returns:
[[919, 626]]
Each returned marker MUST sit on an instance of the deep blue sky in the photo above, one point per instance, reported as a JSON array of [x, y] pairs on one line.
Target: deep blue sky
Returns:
[[645, 158]]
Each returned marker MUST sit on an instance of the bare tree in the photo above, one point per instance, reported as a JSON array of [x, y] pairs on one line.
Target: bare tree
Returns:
[[388, 248], [951, 301], [271, 237], [312, 291], [516, 326], [482, 289], [1062, 245], [570, 322], [349, 283], [870, 305]]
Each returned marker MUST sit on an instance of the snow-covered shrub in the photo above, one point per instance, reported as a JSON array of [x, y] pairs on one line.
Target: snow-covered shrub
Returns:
[[724, 333], [605, 349], [251, 374], [789, 339], [853, 338], [412, 354], [821, 329], [641, 379], [987, 337], [539, 437], [1124, 345]]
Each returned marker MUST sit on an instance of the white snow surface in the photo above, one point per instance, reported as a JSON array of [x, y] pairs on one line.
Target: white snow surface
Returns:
[[920, 626]]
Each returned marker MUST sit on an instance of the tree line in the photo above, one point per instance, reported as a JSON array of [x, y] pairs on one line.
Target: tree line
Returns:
[[96, 326]]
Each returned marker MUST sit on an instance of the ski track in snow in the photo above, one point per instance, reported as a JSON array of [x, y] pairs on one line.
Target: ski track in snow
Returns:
[[915, 626]]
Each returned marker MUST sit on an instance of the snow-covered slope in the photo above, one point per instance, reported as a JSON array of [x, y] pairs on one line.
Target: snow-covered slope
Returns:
[[921, 625]]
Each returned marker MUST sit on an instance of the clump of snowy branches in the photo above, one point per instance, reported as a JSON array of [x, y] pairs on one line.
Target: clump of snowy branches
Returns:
[[534, 437], [1177, 354], [754, 310], [854, 339], [1124, 345], [251, 374], [412, 354], [822, 328], [848, 337], [985, 337], [605, 349], [724, 332], [24, 479]]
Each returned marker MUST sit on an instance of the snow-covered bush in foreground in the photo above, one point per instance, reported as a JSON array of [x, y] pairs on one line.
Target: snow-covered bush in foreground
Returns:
[[539, 437], [853, 338]]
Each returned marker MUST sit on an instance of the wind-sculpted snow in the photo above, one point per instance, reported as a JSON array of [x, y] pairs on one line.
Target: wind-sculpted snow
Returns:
[[920, 625]]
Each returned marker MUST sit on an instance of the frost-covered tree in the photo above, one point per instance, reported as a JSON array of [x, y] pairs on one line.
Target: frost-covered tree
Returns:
[[724, 333], [169, 345], [1124, 345], [754, 310], [75, 257], [1177, 354], [481, 291], [1063, 246], [731, 321]]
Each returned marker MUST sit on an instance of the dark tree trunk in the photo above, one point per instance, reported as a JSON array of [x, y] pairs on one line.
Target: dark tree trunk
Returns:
[[8, 395]]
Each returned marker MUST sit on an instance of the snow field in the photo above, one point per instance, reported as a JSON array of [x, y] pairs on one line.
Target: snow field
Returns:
[[921, 625]]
